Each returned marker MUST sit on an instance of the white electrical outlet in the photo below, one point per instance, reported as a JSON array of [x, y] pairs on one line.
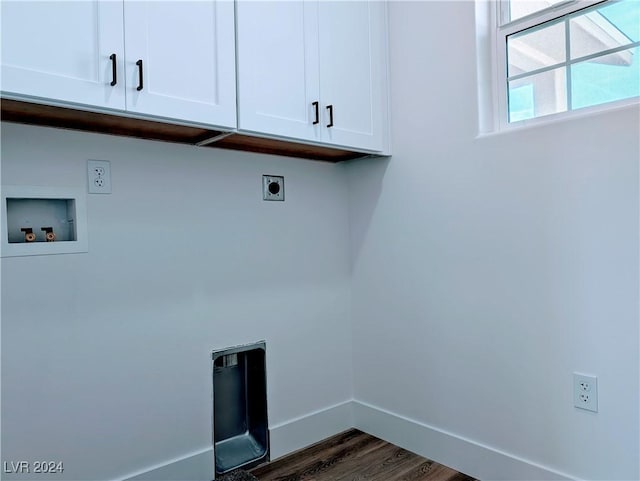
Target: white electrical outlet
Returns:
[[99, 176], [585, 392]]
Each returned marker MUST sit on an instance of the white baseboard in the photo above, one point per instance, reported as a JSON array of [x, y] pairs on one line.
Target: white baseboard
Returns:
[[301, 432], [284, 439], [464, 455], [467, 456], [193, 467]]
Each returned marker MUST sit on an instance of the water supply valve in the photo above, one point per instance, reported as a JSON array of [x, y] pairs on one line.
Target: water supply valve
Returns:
[[29, 236], [49, 235]]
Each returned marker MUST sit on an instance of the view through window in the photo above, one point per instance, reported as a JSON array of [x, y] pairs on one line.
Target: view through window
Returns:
[[583, 58]]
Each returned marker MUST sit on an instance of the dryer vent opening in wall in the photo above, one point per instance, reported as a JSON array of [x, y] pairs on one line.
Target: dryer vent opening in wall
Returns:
[[240, 427]]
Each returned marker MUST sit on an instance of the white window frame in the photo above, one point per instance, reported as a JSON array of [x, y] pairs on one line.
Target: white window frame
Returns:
[[502, 29]]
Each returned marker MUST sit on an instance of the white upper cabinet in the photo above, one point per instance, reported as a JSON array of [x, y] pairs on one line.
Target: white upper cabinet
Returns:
[[278, 76], [313, 70], [180, 60], [64, 51], [352, 72]]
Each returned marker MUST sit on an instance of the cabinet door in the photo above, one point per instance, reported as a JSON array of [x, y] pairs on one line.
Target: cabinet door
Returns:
[[353, 73], [61, 51], [180, 60], [278, 68]]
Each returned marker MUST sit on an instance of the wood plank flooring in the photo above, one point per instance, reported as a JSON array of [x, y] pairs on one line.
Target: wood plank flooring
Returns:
[[355, 456]]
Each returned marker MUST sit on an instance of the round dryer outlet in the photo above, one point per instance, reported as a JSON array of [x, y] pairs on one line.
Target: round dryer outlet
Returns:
[[272, 187]]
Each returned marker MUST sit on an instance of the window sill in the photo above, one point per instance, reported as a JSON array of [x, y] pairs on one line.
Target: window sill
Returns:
[[563, 117]]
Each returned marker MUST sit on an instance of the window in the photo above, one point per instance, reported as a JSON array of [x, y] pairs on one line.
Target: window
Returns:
[[559, 56]]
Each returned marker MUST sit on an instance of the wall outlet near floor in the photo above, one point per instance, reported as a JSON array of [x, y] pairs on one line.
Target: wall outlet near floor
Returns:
[[99, 176], [585, 392], [272, 187]]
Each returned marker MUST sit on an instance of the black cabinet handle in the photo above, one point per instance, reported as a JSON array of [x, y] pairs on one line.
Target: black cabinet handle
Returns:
[[316, 106], [330, 109], [140, 75], [114, 72]]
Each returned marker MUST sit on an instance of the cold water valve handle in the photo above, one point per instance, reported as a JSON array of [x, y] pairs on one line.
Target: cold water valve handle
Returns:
[[49, 235]]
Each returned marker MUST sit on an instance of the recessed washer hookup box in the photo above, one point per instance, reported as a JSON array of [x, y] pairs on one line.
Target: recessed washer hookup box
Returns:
[[39, 220]]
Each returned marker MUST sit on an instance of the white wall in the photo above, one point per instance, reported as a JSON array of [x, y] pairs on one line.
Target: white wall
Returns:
[[483, 273], [106, 355], [487, 270]]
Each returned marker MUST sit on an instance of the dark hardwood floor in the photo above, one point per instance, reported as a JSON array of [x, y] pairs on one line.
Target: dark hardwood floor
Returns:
[[355, 456]]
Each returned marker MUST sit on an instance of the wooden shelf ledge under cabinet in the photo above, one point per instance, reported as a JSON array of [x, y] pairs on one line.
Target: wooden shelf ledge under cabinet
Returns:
[[76, 119]]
